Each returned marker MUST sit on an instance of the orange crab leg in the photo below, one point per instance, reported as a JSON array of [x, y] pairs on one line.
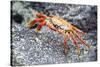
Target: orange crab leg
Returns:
[[74, 40], [65, 43], [79, 31], [82, 41], [30, 24], [40, 25], [51, 27]]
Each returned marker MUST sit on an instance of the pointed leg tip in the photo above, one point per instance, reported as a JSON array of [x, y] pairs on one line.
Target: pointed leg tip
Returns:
[[66, 51], [88, 46], [78, 51]]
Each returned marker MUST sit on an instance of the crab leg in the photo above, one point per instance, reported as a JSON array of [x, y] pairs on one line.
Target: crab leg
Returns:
[[51, 27], [30, 24], [79, 31], [82, 41], [75, 42], [40, 26], [54, 29], [65, 44]]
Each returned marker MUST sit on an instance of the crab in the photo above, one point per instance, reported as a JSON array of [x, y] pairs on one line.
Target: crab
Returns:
[[61, 26]]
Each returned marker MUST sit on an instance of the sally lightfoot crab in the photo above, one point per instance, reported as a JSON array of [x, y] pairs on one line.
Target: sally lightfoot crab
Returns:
[[61, 26]]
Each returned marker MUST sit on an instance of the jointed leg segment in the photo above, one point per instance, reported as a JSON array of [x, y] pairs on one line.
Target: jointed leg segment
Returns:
[[74, 33], [30, 24], [82, 41], [75, 42], [65, 43], [40, 26]]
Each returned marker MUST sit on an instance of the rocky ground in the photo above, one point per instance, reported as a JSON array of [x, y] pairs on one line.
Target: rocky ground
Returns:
[[31, 48]]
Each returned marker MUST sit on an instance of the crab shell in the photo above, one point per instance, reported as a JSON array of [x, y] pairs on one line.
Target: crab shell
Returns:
[[61, 23]]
